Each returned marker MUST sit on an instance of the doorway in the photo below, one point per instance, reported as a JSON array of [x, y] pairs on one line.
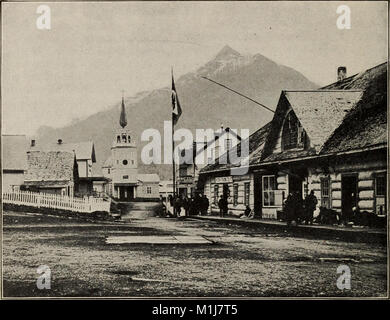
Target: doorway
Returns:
[[126, 193], [295, 184], [349, 187], [258, 195], [225, 191]]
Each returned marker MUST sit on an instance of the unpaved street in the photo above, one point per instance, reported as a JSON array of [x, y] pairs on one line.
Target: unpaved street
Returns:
[[238, 262]]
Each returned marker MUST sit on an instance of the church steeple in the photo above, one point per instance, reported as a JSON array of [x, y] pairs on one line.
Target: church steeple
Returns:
[[122, 119]]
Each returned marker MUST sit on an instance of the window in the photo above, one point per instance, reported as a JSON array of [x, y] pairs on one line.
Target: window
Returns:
[[118, 139], [216, 194], [125, 162], [128, 139], [246, 193], [126, 177], [269, 187], [325, 193], [235, 194], [108, 171], [132, 161], [293, 135], [148, 190], [380, 194], [124, 139]]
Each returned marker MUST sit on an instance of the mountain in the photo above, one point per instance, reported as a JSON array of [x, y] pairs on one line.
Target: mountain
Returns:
[[204, 104]]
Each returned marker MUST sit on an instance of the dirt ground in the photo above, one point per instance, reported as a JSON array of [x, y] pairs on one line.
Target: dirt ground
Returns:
[[240, 262]]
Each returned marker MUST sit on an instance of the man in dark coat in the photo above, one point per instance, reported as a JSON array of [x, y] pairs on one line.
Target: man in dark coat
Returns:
[[221, 206], [205, 205], [178, 205], [310, 206], [289, 209]]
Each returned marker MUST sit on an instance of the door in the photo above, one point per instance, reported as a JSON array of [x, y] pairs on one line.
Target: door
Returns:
[[295, 184], [258, 195], [122, 193], [126, 193], [225, 191], [349, 187]]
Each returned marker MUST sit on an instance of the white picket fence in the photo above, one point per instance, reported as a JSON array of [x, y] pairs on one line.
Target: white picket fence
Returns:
[[54, 201]]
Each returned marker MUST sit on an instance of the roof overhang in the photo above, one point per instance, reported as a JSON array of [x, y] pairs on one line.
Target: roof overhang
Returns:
[[278, 162]]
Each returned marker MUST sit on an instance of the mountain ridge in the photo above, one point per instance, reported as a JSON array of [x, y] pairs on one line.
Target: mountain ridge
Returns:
[[204, 104]]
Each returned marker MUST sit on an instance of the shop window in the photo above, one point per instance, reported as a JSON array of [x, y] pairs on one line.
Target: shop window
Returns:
[[216, 194], [380, 194], [235, 194], [246, 193], [325, 193], [269, 187]]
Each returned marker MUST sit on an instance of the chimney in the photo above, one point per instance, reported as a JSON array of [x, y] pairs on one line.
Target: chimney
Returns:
[[59, 141], [33, 143], [341, 73]]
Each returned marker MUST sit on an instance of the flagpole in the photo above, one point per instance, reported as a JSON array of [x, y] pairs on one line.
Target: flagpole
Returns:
[[173, 160]]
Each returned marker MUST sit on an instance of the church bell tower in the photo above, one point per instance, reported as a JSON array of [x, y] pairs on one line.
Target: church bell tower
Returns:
[[124, 160]]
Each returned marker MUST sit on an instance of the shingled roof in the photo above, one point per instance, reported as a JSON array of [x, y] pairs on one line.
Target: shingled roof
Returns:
[[53, 166], [321, 112], [14, 152], [366, 125], [84, 150]]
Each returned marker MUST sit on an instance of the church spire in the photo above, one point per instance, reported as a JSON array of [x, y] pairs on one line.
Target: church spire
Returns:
[[122, 119]]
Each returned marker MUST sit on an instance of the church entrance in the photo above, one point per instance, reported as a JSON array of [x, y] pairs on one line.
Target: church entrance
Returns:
[[126, 193]]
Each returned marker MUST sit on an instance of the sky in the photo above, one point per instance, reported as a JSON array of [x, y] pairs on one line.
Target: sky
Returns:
[[94, 50]]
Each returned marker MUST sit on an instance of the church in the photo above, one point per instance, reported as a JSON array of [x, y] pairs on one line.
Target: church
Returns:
[[121, 168]]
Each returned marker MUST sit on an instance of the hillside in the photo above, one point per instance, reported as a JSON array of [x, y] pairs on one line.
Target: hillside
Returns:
[[204, 104]]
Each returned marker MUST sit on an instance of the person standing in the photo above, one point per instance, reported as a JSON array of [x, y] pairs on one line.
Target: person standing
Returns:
[[310, 205], [205, 205], [221, 206]]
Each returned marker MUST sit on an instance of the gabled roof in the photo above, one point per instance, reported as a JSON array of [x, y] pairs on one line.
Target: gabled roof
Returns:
[[366, 125], [256, 145], [50, 166], [320, 112], [84, 150], [14, 152], [148, 177]]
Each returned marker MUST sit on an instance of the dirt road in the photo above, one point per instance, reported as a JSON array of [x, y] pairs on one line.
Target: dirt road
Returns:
[[238, 261]]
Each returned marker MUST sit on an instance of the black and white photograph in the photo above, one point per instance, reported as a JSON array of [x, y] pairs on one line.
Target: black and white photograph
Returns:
[[194, 150]]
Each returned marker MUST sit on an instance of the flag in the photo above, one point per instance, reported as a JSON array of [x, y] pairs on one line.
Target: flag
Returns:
[[176, 109], [122, 119]]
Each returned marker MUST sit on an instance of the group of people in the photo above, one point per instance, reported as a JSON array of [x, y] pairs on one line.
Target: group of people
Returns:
[[182, 205], [299, 210]]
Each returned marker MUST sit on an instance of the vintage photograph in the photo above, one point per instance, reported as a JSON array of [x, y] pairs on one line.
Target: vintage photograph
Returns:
[[213, 149]]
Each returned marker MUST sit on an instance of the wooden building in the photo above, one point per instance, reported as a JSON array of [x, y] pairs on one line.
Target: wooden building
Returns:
[[54, 172], [204, 153], [332, 141], [13, 161], [121, 168], [85, 157]]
